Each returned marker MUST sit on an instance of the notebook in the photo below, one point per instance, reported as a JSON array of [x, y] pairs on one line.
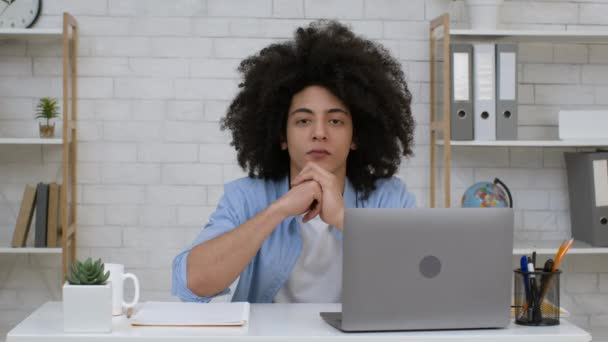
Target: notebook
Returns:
[[191, 314]]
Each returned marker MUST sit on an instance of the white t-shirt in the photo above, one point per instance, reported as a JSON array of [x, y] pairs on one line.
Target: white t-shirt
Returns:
[[317, 275]]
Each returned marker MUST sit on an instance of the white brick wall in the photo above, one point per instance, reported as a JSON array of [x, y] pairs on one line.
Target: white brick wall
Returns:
[[178, 8], [528, 12], [156, 77], [235, 8], [570, 53], [334, 9], [157, 152]]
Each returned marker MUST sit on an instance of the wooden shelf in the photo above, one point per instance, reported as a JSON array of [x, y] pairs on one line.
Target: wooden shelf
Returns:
[[31, 141], [29, 250], [71, 231], [40, 250], [530, 143], [37, 33], [550, 248], [65, 35], [530, 35]]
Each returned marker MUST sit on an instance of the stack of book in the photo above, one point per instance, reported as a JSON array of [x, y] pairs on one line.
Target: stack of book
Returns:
[[43, 199]]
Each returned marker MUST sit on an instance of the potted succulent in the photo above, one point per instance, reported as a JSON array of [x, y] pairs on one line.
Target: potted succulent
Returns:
[[87, 298], [47, 109]]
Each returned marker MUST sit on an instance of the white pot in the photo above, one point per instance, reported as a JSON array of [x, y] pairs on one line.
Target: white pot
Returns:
[[87, 308], [483, 14]]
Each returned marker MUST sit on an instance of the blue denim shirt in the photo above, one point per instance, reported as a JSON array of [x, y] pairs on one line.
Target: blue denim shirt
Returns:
[[268, 271]]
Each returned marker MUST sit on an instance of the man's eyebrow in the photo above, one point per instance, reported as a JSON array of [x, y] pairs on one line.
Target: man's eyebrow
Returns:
[[332, 110], [338, 110], [301, 110]]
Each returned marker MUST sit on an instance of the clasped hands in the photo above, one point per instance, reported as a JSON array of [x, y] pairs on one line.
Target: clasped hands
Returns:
[[315, 191]]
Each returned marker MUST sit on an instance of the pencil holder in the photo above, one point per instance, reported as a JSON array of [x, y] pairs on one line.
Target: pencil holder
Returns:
[[536, 297]]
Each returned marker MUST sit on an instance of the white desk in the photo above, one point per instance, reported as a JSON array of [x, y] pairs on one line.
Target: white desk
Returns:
[[279, 322]]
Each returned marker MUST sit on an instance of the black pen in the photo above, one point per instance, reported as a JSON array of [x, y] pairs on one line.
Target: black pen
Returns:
[[536, 316], [534, 305], [545, 279], [531, 302]]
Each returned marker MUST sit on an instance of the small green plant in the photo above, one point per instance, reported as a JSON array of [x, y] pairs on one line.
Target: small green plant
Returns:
[[47, 109], [88, 273]]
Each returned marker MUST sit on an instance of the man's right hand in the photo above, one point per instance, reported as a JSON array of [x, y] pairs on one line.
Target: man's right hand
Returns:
[[300, 198]]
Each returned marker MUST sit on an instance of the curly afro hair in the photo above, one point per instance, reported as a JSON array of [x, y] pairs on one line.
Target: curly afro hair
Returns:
[[361, 73]]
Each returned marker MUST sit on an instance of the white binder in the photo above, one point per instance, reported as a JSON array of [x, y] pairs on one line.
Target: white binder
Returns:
[[484, 79]]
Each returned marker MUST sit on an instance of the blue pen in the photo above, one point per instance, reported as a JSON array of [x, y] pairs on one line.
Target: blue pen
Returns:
[[524, 270]]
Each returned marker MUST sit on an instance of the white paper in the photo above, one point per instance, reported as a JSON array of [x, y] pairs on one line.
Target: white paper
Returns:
[[507, 76], [461, 76], [600, 181], [191, 314]]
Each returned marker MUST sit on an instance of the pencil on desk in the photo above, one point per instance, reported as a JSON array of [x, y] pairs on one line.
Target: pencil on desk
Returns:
[[563, 249]]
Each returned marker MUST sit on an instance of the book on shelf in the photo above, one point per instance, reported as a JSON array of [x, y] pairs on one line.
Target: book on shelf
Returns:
[[42, 202], [52, 216], [24, 219], [43, 199], [60, 189]]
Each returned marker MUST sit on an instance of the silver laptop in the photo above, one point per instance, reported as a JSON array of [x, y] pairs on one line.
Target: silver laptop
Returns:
[[425, 269]]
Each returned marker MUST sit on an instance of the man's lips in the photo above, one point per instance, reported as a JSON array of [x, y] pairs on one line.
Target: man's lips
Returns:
[[318, 151]]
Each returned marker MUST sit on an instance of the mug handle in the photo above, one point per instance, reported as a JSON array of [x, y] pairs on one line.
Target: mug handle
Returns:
[[136, 284]]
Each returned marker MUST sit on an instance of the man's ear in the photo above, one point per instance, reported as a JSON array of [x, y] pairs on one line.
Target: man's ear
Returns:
[[283, 145], [353, 146]]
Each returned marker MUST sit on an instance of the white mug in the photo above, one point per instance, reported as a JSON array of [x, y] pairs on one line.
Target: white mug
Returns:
[[117, 277]]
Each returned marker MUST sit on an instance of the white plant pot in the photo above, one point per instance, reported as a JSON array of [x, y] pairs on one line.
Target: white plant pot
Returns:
[[87, 308], [484, 14]]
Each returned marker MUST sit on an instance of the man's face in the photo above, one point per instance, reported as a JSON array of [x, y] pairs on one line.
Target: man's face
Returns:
[[319, 129]]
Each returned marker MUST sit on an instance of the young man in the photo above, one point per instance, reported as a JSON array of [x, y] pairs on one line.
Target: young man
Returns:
[[321, 123]]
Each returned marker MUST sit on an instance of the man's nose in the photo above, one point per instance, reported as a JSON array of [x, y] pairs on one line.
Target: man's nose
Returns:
[[320, 131]]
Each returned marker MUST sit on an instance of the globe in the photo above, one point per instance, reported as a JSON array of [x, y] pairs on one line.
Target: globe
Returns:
[[484, 195]]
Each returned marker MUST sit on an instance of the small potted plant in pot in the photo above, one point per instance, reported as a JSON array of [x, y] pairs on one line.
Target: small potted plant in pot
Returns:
[[47, 109], [484, 14], [87, 298]]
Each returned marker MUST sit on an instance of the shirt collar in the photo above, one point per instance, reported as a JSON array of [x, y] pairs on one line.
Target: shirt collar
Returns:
[[350, 194]]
